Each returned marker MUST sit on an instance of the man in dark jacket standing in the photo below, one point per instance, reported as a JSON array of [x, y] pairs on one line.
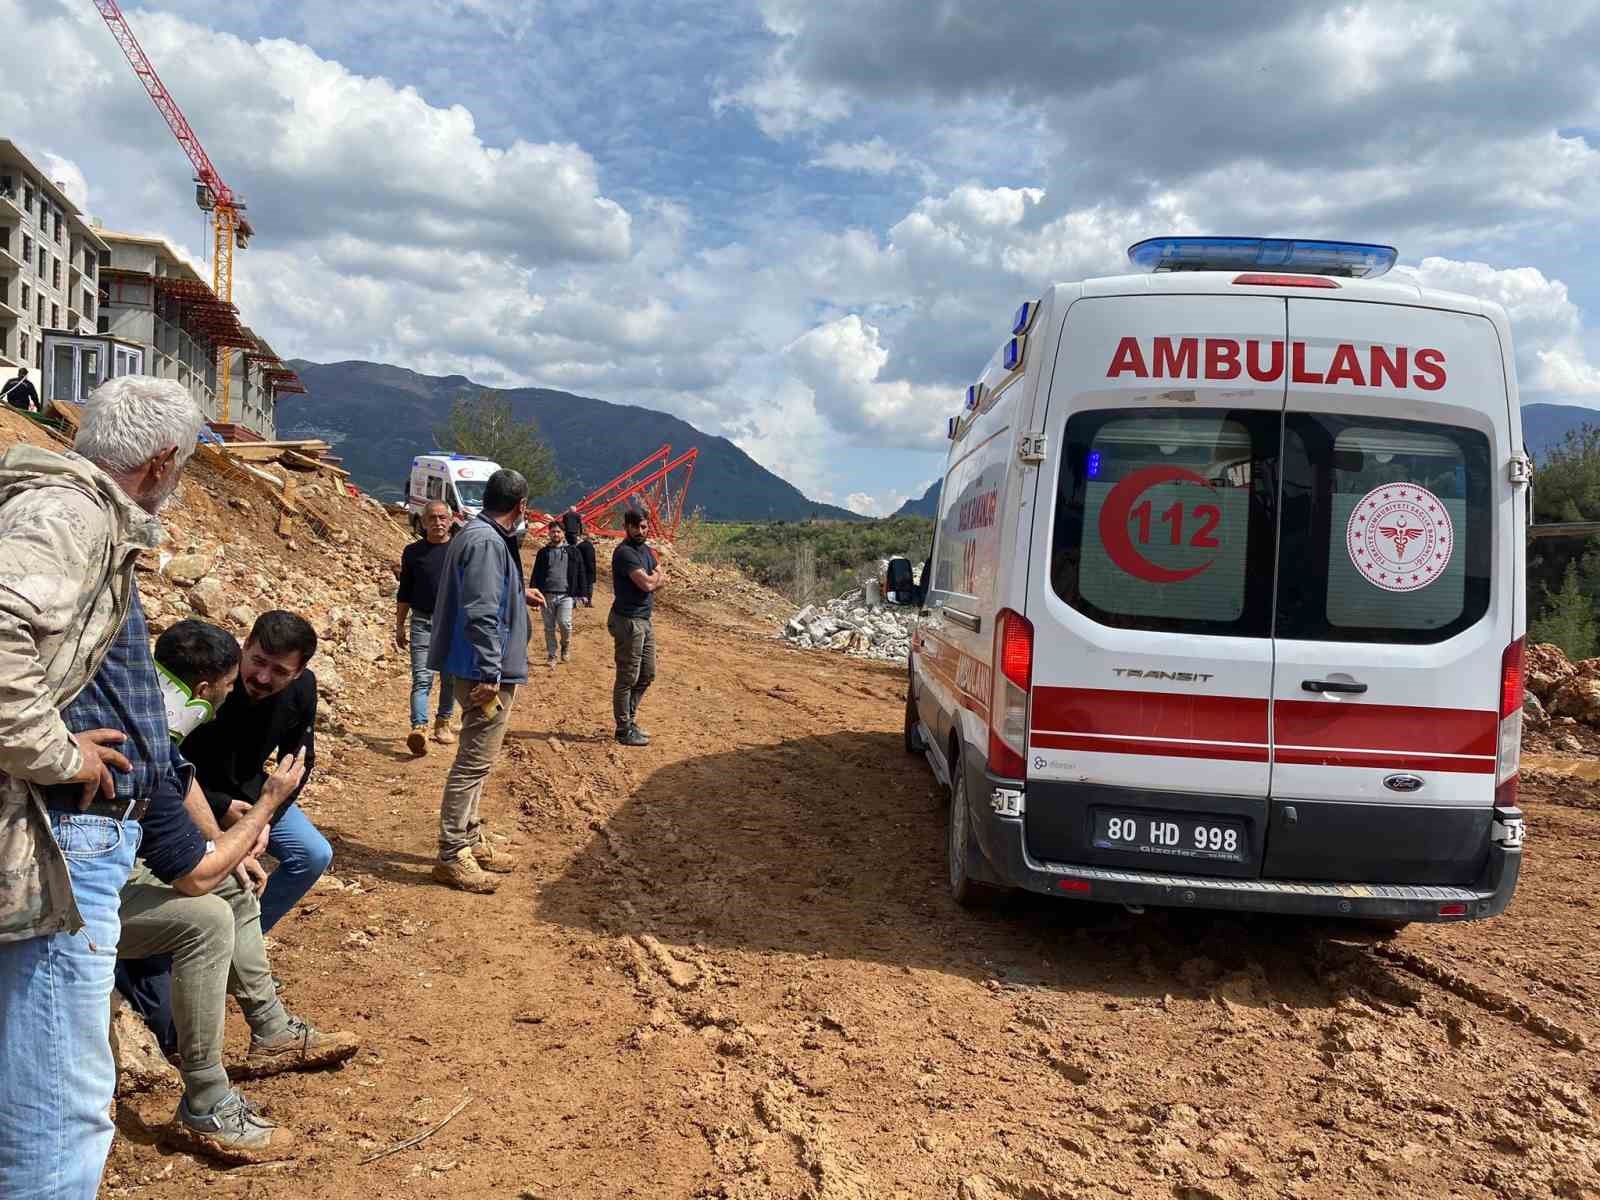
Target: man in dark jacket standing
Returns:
[[420, 565], [635, 578], [480, 639], [20, 393], [558, 573]]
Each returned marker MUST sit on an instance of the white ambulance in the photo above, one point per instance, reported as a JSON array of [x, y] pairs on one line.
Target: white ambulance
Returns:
[[457, 479], [1226, 598]]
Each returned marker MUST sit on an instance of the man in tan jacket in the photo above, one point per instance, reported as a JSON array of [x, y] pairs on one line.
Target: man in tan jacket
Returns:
[[71, 526]]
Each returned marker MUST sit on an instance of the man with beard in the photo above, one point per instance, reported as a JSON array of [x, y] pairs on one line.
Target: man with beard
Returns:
[[635, 578], [272, 712]]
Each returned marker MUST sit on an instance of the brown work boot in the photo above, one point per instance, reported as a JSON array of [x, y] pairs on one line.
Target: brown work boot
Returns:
[[463, 873], [494, 858], [417, 743], [442, 733], [234, 1133], [300, 1047]]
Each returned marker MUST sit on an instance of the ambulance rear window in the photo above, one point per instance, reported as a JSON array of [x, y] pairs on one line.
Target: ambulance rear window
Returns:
[[1386, 529], [1164, 520]]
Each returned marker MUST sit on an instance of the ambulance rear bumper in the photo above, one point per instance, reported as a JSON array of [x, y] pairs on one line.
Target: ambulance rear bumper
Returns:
[[1004, 845]]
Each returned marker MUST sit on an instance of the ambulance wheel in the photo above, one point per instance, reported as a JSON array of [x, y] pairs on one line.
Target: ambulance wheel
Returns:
[[964, 890], [416, 525], [914, 742]]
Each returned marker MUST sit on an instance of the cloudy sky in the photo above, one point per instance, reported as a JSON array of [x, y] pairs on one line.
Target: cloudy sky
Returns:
[[805, 225]]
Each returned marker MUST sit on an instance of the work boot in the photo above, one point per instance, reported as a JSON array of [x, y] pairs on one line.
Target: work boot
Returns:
[[417, 743], [464, 874], [442, 733], [565, 654], [233, 1133], [632, 735], [493, 858], [300, 1047]]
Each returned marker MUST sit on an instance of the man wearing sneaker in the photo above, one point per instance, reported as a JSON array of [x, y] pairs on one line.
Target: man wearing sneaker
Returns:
[[480, 638], [558, 574], [209, 920], [420, 564], [635, 578]]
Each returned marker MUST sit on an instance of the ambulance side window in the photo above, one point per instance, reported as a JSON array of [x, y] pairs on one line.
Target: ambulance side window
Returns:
[[1386, 529], [1164, 520]]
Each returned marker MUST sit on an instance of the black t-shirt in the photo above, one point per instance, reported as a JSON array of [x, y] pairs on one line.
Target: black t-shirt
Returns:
[[632, 600], [420, 565], [231, 753]]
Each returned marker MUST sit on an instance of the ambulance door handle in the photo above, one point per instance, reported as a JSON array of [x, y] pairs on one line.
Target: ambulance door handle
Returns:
[[1333, 685], [964, 619]]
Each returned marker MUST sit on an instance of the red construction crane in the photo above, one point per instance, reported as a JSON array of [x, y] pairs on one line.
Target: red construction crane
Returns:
[[230, 227]]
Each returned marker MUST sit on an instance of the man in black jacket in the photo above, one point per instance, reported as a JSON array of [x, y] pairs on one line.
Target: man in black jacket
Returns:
[[559, 573], [20, 393], [272, 711]]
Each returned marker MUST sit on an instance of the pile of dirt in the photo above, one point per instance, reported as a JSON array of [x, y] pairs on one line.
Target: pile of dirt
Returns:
[[1561, 705]]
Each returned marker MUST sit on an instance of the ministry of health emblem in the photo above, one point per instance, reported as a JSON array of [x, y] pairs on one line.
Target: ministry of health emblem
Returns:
[[1400, 537]]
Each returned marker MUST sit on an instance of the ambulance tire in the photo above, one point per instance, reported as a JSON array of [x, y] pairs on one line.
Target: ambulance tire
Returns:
[[914, 742], [416, 524], [964, 889]]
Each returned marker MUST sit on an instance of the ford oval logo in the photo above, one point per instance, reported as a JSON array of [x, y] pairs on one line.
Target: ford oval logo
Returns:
[[1403, 783]]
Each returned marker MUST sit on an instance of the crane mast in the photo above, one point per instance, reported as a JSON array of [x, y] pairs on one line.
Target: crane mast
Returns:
[[229, 226]]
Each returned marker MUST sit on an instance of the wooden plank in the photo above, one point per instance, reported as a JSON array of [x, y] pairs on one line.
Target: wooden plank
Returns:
[[295, 458], [67, 414], [299, 444]]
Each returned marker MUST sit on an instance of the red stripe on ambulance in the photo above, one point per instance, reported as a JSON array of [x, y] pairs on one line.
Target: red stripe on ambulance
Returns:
[[1265, 361]]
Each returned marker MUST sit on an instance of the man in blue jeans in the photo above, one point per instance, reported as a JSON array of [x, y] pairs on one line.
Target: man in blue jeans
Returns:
[[72, 789], [271, 712], [420, 564]]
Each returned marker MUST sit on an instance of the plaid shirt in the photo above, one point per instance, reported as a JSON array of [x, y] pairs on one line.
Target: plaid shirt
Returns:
[[125, 694]]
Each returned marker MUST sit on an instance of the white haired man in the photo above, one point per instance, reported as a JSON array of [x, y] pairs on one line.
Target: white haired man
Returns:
[[84, 758]]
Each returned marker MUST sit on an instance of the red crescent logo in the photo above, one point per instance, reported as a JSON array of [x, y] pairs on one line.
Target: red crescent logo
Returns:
[[1118, 510]]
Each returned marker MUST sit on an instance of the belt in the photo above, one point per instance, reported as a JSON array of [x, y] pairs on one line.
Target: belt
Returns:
[[120, 810]]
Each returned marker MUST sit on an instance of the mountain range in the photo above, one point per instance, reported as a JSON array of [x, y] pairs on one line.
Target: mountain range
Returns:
[[377, 417], [1543, 428]]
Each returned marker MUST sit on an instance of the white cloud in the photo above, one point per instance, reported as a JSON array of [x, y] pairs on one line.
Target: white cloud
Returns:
[[872, 157], [1547, 327]]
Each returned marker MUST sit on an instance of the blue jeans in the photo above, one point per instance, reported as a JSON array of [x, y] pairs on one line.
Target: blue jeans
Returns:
[[57, 1077], [303, 854], [422, 678]]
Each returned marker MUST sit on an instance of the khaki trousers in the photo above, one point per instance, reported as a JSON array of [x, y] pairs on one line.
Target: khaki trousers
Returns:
[[460, 826], [634, 640], [217, 951]]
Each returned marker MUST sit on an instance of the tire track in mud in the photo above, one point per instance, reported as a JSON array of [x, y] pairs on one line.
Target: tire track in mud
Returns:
[[1489, 999], [681, 992]]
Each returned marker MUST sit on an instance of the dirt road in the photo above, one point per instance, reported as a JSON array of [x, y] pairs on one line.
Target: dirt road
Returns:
[[728, 969]]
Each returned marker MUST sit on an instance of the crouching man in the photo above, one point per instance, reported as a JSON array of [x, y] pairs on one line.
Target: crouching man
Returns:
[[273, 712], [193, 896]]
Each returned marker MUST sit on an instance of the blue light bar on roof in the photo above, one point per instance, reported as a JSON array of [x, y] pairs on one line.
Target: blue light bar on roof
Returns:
[[1354, 260]]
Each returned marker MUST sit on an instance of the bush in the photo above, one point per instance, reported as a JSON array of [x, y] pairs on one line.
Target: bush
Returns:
[[1567, 619], [841, 552]]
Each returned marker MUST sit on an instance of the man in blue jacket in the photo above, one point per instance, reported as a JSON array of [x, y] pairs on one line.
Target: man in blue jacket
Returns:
[[480, 639]]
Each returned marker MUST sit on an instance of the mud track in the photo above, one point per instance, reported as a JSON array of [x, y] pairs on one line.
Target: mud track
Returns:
[[728, 969]]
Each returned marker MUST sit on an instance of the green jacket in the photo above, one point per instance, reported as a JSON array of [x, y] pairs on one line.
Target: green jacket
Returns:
[[69, 538]]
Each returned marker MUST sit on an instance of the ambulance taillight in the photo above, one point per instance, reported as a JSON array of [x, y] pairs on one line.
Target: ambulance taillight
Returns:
[[1508, 759], [1008, 715]]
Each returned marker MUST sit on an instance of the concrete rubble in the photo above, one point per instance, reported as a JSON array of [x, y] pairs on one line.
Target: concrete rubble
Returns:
[[851, 625]]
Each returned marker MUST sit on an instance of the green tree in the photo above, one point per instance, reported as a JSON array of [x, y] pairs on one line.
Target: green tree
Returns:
[[1567, 619], [484, 424]]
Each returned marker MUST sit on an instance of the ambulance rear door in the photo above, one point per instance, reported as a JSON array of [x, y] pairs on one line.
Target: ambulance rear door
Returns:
[[1150, 585], [1396, 595]]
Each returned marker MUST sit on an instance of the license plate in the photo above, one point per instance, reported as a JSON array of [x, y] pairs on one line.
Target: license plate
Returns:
[[1173, 835]]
